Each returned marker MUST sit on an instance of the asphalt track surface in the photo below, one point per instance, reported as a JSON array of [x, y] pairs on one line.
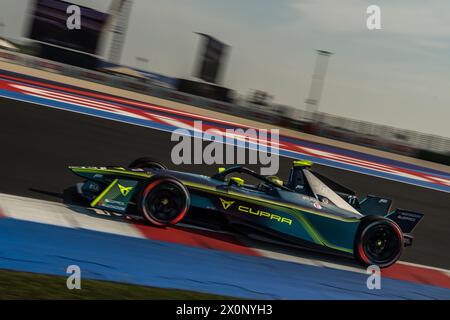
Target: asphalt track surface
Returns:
[[38, 144]]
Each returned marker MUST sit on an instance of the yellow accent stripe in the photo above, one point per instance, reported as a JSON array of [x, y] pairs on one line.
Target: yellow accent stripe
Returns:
[[317, 237], [119, 172], [96, 200], [314, 235], [266, 202]]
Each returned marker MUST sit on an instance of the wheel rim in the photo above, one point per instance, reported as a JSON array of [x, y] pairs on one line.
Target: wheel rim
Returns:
[[165, 202], [381, 243]]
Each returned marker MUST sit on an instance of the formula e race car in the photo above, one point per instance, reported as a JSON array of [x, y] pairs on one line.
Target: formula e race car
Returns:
[[308, 210]]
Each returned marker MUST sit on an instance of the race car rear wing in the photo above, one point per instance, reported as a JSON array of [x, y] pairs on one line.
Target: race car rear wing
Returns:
[[373, 205], [406, 220]]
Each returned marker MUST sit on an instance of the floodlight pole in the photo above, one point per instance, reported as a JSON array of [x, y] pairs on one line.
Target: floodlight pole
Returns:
[[318, 80], [122, 10]]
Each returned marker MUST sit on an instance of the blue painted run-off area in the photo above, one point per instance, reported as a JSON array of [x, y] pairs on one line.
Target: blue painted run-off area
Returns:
[[41, 248]]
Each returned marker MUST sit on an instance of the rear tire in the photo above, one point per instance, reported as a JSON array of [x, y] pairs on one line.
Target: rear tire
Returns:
[[379, 241], [164, 201], [147, 163]]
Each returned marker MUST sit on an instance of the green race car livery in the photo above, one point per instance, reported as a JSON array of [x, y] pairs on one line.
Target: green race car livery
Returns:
[[308, 210]]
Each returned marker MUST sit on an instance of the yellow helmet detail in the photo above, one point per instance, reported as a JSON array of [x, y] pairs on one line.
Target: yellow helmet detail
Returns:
[[276, 180], [302, 163], [237, 181]]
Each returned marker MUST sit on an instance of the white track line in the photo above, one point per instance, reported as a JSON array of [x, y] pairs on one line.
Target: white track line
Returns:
[[46, 212]]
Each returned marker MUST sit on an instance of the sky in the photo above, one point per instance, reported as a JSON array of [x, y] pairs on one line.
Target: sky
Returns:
[[398, 75]]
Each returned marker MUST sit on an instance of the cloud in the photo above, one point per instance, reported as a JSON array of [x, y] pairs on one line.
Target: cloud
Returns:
[[426, 24], [335, 16], [417, 19]]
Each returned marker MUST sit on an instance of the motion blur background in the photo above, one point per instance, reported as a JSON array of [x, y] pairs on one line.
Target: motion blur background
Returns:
[[313, 66], [115, 89]]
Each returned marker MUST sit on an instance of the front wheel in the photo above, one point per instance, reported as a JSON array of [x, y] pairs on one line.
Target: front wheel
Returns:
[[379, 241], [164, 201]]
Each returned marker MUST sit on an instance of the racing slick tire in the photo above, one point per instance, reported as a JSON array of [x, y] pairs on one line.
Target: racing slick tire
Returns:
[[379, 241], [147, 163], [164, 201]]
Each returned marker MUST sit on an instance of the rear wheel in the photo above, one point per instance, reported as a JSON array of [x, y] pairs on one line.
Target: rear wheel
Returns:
[[164, 201], [147, 163], [379, 241]]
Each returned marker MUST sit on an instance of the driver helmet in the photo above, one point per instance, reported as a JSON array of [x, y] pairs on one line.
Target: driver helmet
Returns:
[[276, 180]]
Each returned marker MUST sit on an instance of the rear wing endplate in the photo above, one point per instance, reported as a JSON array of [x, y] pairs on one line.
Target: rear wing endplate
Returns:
[[406, 220]]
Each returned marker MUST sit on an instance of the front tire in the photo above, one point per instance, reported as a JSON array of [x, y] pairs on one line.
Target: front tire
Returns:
[[164, 201], [379, 241]]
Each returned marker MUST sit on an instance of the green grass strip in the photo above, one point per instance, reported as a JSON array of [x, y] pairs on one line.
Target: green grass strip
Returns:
[[30, 286]]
